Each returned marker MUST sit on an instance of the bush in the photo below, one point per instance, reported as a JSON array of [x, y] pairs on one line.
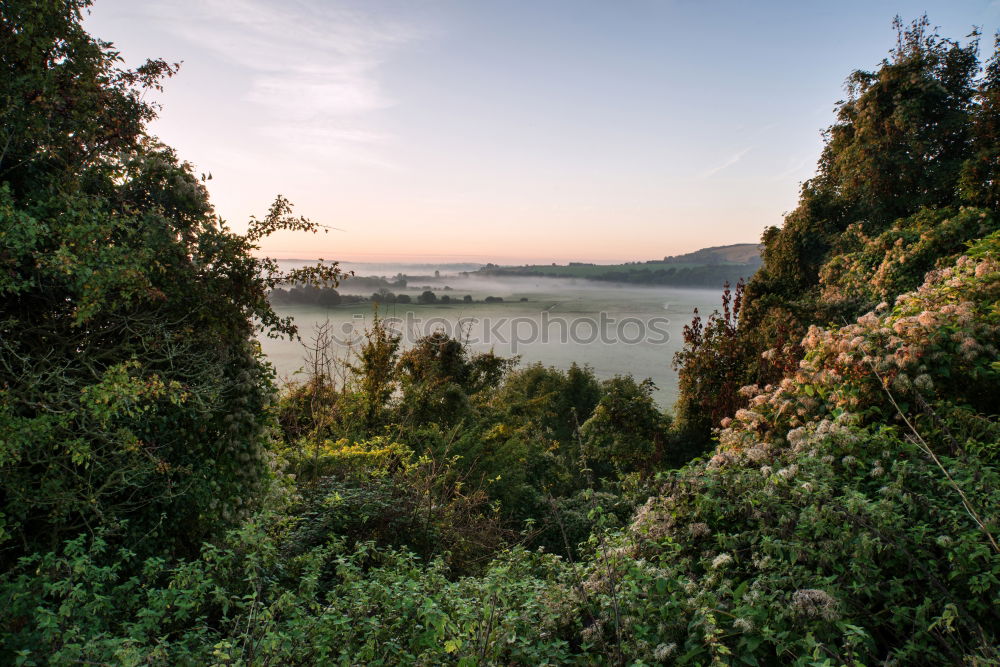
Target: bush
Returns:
[[853, 545], [249, 601], [134, 386]]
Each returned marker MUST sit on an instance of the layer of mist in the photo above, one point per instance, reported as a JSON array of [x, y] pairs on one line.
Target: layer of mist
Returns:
[[614, 328]]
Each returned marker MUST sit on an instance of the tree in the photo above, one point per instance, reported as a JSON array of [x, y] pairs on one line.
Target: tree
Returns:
[[439, 376], [66, 103], [899, 144], [376, 370], [980, 179], [626, 432], [132, 387], [383, 296], [712, 366], [329, 297], [903, 147], [427, 297]]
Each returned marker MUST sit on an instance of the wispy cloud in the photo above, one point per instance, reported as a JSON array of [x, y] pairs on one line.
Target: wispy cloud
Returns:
[[799, 167], [725, 164], [313, 68]]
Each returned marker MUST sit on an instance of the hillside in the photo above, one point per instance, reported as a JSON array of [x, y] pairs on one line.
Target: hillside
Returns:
[[737, 253], [708, 267]]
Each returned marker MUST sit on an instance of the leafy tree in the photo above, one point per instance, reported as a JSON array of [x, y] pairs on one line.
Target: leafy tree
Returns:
[[279, 295], [558, 402], [899, 144], [375, 371], [133, 387], [329, 297], [911, 145], [383, 296], [626, 432], [69, 112], [427, 297], [439, 377], [980, 180], [713, 365]]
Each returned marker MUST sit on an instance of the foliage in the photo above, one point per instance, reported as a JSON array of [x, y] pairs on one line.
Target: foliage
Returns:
[[909, 152], [626, 431], [870, 269], [712, 366], [851, 547], [525, 437], [132, 382], [849, 514], [383, 493], [979, 183], [432, 505], [938, 343], [250, 602]]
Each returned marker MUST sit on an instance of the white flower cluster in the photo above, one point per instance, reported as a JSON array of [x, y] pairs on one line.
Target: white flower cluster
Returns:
[[815, 603], [789, 472], [699, 530], [721, 561], [845, 367], [664, 651], [652, 520]]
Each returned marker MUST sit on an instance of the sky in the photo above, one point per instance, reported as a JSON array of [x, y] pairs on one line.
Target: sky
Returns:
[[509, 131]]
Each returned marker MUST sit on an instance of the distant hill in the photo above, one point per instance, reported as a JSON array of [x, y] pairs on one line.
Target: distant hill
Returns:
[[737, 253], [708, 267]]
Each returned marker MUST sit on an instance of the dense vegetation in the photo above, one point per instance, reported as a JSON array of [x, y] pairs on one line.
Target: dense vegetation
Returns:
[[164, 503], [907, 179]]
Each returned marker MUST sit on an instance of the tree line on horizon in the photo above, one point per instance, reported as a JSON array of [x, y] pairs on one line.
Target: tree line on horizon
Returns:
[[328, 296], [709, 275]]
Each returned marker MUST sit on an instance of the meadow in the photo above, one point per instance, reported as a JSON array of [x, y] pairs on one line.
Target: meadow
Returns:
[[653, 315]]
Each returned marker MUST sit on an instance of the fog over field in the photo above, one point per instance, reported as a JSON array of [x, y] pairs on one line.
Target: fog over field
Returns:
[[614, 328]]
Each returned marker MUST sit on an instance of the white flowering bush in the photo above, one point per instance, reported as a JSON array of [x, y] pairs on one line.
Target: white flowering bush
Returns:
[[873, 268], [852, 546], [936, 343], [849, 511]]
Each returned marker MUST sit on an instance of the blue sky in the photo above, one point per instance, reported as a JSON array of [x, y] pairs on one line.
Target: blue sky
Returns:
[[510, 131]]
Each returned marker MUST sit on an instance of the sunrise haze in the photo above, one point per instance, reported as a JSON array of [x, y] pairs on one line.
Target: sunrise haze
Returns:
[[453, 131]]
